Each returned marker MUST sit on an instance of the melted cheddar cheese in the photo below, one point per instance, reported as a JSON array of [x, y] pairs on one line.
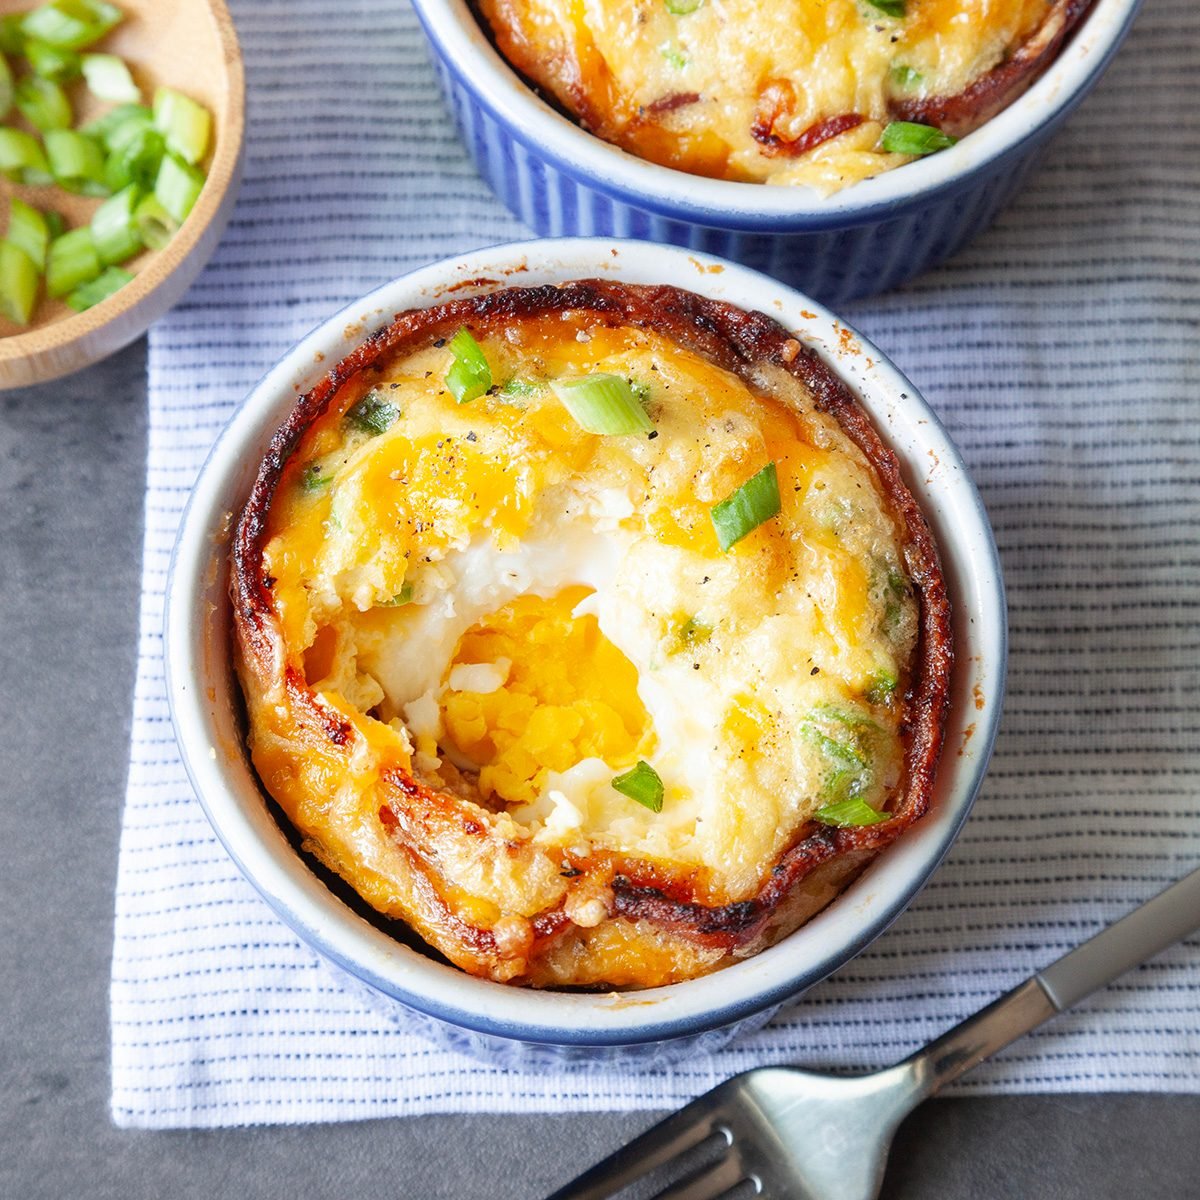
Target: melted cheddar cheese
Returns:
[[785, 92], [519, 611]]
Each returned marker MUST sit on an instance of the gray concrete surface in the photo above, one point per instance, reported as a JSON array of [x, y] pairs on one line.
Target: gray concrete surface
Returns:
[[71, 481]]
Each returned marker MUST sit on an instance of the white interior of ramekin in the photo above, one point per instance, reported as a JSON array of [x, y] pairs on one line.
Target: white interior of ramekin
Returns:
[[201, 686], [455, 28]]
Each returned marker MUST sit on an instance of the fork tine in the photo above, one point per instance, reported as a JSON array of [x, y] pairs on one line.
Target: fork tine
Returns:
[[671, 1137], [708, 1183]]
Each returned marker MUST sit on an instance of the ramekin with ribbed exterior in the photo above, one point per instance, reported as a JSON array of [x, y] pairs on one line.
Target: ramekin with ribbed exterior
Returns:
[[519, 1026], [867, 238]]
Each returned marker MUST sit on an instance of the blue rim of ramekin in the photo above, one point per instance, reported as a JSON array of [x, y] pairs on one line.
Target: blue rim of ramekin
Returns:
[[839, 211], [679, 1029]]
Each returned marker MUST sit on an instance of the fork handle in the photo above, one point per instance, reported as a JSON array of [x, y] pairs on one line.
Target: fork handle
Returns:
[[1150, 928]]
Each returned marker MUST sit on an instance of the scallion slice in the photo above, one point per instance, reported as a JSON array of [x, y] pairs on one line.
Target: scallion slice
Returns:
[[12, 40], [105, 128], [22, 158], [43, 103], [7, 88], [681, 8], [908, 137], [185, 124], [402, 597], [27, 229], [72, 261], [905, 77], [890, 8], [603, 404], [756, 501], [114, 228], [18, 283], [882, 687], [641, 783], [71, 24], [113, 279], [55, 223], [469, 376], [51, 62], [155, 225], [852, 812], [135, 156], [108, 78], [76, 162], [373, 414], [177, 187]]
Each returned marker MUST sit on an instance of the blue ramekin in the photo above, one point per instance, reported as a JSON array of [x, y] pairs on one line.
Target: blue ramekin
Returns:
[[872, 236], [517, 1026]]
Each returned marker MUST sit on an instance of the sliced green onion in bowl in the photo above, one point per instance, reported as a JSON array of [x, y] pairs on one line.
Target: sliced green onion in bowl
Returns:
[[52, 62], [177, 187], [22, 158], [603, 404], [104, 128], [643, 784], [111, 280], [27, 228], [7, 88], [744, 510], [71, 24], [108, 78], [72, 261], [19, 279], [76, 162], [115, 233], [908, 137], [43, 104], [850, 813], [469, 376], [135, 156], [155, 225], [12, 40], [185, 124]]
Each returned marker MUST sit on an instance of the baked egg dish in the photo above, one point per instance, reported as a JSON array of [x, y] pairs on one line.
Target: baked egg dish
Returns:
[[590, 631], [820, 93]]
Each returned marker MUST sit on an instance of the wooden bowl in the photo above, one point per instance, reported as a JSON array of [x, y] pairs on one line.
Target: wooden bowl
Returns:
[[190, 45]]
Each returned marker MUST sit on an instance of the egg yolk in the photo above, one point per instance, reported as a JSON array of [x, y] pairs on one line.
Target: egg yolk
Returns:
[[569, 694]]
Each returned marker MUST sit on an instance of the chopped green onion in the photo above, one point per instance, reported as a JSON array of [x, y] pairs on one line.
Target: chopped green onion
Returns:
[[374, 413], [906, 77], [850, 813], [890, 8], [185, 124], [469, 375], [22, 158], [43, 104], [756, 501], [27, 229], [7, 87], [603, 404], [135, 156], [641, 783], [675, 57], [831, 747], [72, 260], [104, 128], [177, 187], [108, 78], [851, 718], [693, 632], [114, 230], [76, 162], [55, 223], [907, 137], [12, 40], [402, 597], [89, 294], [71, 24], [313, 477], [155, 225], [682, 7], [520, 387], [18, 283], [51, 62], [882, 687]]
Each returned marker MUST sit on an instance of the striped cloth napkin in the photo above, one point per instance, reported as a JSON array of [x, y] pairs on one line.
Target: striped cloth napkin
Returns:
[[1061, 350]]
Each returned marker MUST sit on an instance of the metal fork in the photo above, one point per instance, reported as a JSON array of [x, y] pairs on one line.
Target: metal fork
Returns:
[[788, 1134]]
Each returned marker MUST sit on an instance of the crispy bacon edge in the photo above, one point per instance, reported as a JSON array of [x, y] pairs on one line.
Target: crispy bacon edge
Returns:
[[740, 341]]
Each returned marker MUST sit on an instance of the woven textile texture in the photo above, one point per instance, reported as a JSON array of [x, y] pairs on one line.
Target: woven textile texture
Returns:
[[1061, 350]]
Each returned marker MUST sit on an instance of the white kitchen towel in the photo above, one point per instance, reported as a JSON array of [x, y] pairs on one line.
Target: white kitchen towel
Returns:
[[1061, 349]]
